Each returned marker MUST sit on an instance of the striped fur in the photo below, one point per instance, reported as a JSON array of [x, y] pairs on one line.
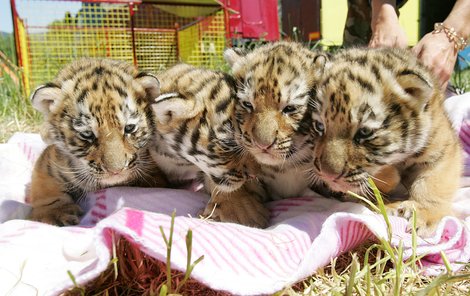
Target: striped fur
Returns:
[[195, 134], [276, 82], [379, 113], [194, 127], [98, 124]]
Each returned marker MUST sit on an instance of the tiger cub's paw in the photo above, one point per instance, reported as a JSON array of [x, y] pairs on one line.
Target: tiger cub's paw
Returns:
[[427, 219], [61, 215], [242, 209]]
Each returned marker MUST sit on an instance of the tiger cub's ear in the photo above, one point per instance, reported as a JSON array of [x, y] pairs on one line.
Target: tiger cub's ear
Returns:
[[45, 98], [150, 83], [320, 63], [415, 87], [169, 107], [232, 55]]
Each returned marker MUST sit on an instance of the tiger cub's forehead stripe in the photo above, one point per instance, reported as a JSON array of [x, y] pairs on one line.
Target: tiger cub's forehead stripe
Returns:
[[205, 87], [376, 72], [215, 90], [362, 81], [223, 105]]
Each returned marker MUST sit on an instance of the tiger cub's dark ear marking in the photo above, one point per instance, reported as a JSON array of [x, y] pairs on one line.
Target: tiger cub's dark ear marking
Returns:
[[150, 83], [416, 86], [321, 59], [45, 97], [320, 63], [232, 55]]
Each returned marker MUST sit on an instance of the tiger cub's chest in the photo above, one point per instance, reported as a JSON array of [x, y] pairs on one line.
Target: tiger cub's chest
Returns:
[[181, 158], [177, 169], [284, 183]]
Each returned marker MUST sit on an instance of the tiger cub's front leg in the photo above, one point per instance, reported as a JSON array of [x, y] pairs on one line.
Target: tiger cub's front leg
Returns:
[[431, 189], [243, 206], [51, 204]]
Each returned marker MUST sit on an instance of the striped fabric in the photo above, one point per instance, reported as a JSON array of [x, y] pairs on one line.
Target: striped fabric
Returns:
[[305, 234]]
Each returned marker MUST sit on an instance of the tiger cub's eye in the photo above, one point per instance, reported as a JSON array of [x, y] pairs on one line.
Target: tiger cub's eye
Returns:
[[319, 127], [87, 135], [247, 105], [289, 109], [364, 133], [130, 128]]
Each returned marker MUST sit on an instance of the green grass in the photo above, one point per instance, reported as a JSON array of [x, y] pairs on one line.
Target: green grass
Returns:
[[461, 80], [16, 112], [7, 46]]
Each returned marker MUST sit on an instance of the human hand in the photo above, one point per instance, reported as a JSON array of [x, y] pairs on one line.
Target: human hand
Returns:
[[437, 53], [386, 29], [388, 34]]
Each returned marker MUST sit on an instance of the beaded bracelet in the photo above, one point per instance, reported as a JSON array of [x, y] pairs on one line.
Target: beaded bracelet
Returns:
[[459, 42]]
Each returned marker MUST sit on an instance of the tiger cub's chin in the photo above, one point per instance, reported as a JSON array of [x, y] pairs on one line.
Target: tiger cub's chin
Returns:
[[115, 179], [267, 158], [386, 179], [379, 114], [98, 124]]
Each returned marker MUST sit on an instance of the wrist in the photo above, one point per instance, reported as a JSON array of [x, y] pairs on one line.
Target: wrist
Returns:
[[453, 36], [382, 14]]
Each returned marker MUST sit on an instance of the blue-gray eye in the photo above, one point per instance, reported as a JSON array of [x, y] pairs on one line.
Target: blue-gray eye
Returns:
[[87, 135], [319, 127], [130, 128]]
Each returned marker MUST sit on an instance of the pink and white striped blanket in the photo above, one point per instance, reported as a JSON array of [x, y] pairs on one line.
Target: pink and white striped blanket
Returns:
[[305, 232]]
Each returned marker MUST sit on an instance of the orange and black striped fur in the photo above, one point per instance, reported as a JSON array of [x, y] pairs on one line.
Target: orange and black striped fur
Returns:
[[379, 113], [195, 134], [98, 124], [275, 83]]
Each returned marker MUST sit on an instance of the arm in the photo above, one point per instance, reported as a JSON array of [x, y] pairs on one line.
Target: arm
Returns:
[[437, 51], [386, 30]]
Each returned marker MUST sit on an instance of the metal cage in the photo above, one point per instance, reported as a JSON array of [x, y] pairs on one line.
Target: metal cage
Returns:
[[151, 34]]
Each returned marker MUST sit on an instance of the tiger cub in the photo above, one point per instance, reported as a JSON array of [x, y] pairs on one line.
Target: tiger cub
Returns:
[[98, 124], [275, 85], [195, 134], [379, 113]]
